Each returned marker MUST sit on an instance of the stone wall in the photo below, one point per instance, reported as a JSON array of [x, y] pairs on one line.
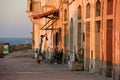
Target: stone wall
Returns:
[[1, 51], [20, 47], [15, 47], [116, 55]]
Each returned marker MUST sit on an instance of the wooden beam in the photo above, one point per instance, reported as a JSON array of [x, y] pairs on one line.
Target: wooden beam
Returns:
[[51, 29], [45, 24]]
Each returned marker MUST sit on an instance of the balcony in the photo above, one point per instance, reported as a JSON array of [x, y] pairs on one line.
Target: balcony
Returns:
[[36, 7]]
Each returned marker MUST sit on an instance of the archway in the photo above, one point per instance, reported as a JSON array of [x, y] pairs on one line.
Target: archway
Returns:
[[71, 34], [88, 10], [109, 7], [79, 36], [98, 8], [87, 56], [66, 37], [109, 49], [65, 15], [79, 12], [97, 45]]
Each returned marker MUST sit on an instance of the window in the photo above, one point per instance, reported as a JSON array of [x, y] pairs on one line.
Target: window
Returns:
[[79, 34], [65, 15], [65, 35], [88, 27], [83, 36], [71, 34], [79, 12], [30, 5], [35, 6], [98, 24], [88, 10], [109, 7], [98, 8], [87, 37]]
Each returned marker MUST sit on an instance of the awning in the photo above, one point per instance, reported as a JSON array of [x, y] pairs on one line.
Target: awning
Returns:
[[45, 14]]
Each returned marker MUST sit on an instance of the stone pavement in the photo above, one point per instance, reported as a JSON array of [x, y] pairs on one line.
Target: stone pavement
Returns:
[[26, 68]]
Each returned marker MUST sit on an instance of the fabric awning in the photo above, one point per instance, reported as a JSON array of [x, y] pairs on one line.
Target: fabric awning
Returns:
[[45, 14]]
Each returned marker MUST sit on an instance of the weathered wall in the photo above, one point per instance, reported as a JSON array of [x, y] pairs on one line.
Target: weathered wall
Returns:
[[101, 33], [116, 59], [107, 38]]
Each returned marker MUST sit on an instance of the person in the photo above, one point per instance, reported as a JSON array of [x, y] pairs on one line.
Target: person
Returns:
[[55, 57], [53, 60], [47, 56], [81, 55], [41, 41], [40, 56], [61, 55], [36, 53], [76, 59]]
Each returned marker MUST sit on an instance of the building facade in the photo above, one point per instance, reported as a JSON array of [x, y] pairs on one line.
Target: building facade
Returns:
[[86, 27]]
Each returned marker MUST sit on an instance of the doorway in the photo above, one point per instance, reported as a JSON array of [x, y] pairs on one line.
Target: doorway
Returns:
[[109, 49], [97, 45], [71, 34], [87, 41]]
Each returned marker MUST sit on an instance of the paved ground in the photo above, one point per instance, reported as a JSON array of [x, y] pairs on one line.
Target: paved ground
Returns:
[[26, 68]]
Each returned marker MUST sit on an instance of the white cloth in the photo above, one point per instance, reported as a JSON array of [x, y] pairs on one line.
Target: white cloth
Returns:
[[47, 54], [35, 55], [72, 57], [71, 60], [69, 65]]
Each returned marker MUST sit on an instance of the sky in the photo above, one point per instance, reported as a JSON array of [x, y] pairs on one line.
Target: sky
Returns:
[[14, 21]]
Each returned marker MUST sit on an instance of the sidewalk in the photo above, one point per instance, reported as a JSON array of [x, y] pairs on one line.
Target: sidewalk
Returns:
[[26, 68]]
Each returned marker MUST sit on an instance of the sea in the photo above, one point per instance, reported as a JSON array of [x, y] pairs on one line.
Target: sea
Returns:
[[16, 41]]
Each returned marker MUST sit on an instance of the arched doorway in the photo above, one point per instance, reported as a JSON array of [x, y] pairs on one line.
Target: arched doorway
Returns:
[[71, 34], [88, 9], [79, 36], [87, 56], [55, 39], [98, 8], [65, 15], [97, 45], [66, 37], [66, 31], [79, 12], [109, 7], [109, 49]]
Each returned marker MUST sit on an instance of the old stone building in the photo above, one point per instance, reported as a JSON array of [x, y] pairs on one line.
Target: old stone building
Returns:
[[87, 27]]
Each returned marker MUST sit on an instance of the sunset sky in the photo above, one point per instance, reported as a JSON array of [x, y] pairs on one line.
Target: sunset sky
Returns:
[[14, 21]]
